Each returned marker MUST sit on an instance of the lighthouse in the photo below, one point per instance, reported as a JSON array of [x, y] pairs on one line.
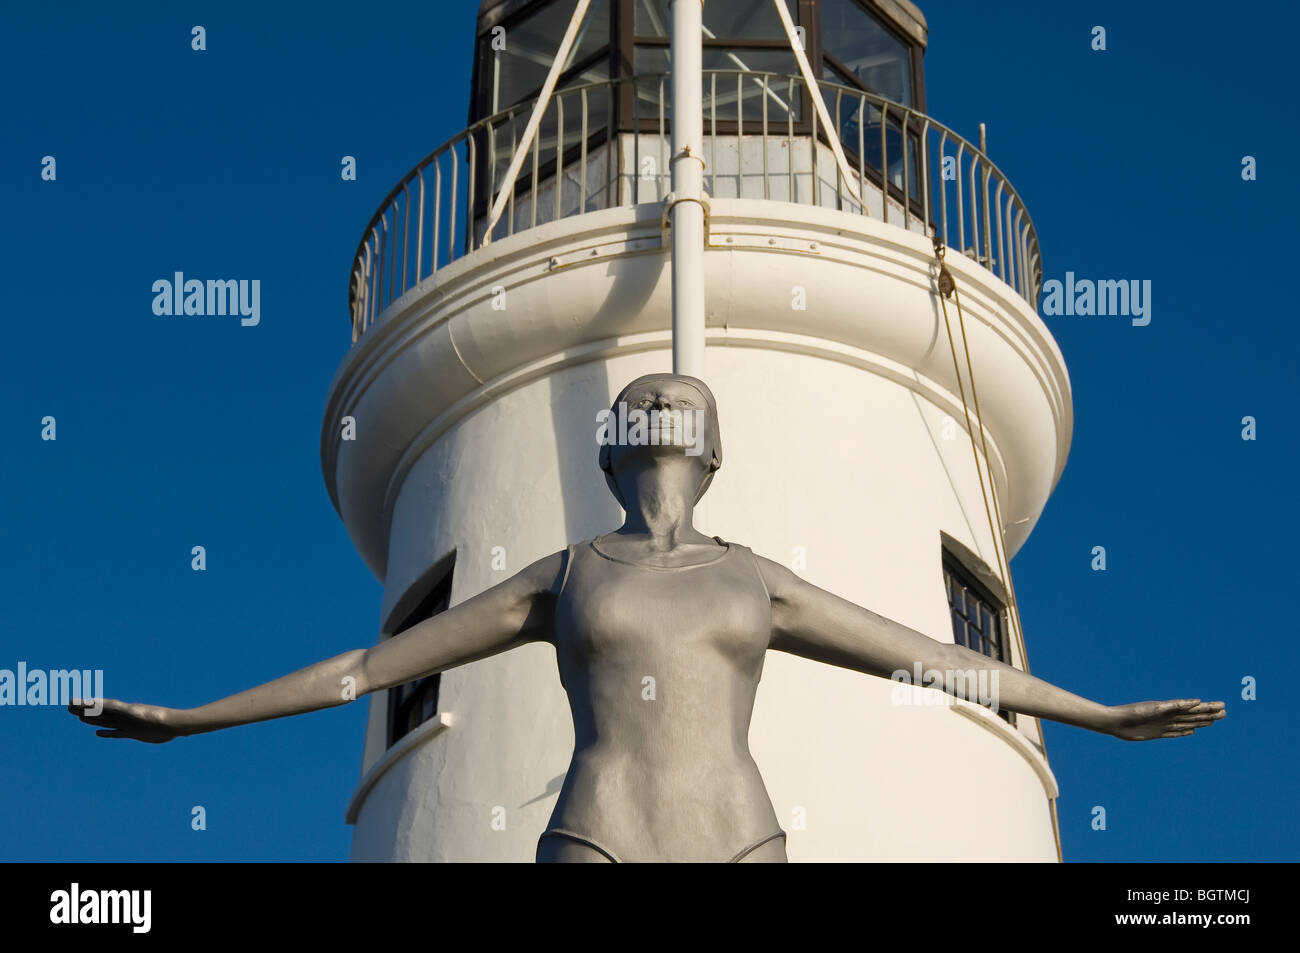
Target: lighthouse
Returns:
[[751, 192]]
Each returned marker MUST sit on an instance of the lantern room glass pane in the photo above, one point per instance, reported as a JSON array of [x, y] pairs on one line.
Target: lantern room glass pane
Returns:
[[731, 19], [865, 48], [726, 87], [858, 122], [516, 73]]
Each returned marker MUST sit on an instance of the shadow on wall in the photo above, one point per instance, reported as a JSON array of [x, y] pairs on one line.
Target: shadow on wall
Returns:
[[576, 398]]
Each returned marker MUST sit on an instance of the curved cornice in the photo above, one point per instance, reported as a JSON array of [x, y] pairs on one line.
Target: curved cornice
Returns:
[[590, 286]]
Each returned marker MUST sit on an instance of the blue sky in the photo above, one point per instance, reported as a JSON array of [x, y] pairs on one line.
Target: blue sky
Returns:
[[173, 433]]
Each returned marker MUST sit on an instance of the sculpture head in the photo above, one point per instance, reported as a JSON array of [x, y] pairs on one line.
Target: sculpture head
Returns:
[[686, 415]]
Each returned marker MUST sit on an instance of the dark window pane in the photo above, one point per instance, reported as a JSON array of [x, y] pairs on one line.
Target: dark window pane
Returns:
[[732, 19], [725, 86], [499, 140], [858, 122], [516, 74], [977, 624], [878, 59], [414, 703]]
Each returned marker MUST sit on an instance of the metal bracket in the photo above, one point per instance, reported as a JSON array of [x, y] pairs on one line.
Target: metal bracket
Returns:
[[671, 199]]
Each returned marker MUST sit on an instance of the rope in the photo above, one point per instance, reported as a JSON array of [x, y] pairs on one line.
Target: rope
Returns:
[[948, 288]]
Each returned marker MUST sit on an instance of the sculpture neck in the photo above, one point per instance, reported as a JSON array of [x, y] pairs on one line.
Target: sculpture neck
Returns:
[[660, 502]]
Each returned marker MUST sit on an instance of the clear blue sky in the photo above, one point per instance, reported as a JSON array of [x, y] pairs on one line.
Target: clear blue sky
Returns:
[[173, 433]]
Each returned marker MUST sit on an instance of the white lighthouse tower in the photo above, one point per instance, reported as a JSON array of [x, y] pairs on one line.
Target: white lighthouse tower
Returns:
[[777, 241]]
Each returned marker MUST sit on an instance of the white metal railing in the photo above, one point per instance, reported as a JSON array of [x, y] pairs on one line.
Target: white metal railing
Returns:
[[926, 175]]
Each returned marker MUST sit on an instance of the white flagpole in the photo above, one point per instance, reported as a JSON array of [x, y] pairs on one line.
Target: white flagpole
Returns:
[[686, 211]]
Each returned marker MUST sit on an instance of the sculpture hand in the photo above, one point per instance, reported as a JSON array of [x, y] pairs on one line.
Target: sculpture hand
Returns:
[[150, 723], [1144, 721]]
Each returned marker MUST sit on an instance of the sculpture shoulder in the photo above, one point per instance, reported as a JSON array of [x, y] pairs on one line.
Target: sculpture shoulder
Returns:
[[520, 605], [546, 575], [780, 581]]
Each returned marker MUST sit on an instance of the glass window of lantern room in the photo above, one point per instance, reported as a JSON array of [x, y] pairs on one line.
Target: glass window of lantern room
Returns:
[[750, 19], [865, 52], [740, 36], [514, 61]]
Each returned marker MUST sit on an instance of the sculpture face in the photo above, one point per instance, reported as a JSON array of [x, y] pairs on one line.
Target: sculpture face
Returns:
[[684, 414]]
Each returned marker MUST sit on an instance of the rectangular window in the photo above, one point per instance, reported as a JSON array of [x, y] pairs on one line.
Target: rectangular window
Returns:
[[979, 618], [414, 703]]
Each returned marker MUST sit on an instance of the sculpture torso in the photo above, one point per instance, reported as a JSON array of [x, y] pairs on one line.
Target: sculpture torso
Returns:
[[661, 666]]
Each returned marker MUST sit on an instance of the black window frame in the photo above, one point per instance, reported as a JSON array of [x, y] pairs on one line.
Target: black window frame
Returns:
[[422, 694], [963, 567]]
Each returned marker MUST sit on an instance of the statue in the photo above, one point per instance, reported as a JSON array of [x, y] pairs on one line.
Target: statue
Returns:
[[670, 779]]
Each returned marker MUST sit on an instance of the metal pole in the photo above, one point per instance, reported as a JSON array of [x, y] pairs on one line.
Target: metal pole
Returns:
[[686, 213]]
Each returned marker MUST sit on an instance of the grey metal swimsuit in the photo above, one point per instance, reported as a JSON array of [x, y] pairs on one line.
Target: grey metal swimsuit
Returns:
[[661, 666]]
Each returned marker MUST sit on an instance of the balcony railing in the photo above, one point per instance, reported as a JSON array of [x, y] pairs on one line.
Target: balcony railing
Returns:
[[760, 132]]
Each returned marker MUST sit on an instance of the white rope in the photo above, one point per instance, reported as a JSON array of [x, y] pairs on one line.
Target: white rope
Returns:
[[815, 93], [535, 120]]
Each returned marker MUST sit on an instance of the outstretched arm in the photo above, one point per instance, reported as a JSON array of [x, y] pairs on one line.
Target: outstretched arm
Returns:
[[816, 624], [514, 612]]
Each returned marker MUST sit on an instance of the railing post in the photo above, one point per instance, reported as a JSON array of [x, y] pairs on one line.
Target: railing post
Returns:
[[559, 157], [437, 207], [419, 233], [582, 157], [884, 163], [406, 233]]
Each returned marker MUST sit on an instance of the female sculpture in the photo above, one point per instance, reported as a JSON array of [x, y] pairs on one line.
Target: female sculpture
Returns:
[[669, 778]]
